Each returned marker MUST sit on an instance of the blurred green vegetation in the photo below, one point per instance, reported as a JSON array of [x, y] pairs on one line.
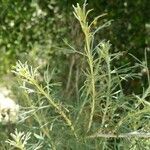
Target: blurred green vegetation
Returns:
[[35, 31], [45, 33], [38, 27]]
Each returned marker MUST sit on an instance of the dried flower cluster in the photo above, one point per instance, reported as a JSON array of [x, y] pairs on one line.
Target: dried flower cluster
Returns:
[[9, 110]]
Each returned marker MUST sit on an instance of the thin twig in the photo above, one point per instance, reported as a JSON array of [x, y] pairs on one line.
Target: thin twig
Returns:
[[121, 135]]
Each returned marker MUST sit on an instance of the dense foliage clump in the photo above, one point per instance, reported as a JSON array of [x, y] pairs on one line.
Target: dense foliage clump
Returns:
[[77, 85]]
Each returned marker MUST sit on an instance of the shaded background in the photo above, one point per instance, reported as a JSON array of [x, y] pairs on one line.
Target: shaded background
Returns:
[[35, 31]]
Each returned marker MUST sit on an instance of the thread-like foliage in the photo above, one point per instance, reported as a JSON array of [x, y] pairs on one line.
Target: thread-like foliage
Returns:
[[102, 118]]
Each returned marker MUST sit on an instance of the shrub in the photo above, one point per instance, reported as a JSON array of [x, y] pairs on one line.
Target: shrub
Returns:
[[102, 117]]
